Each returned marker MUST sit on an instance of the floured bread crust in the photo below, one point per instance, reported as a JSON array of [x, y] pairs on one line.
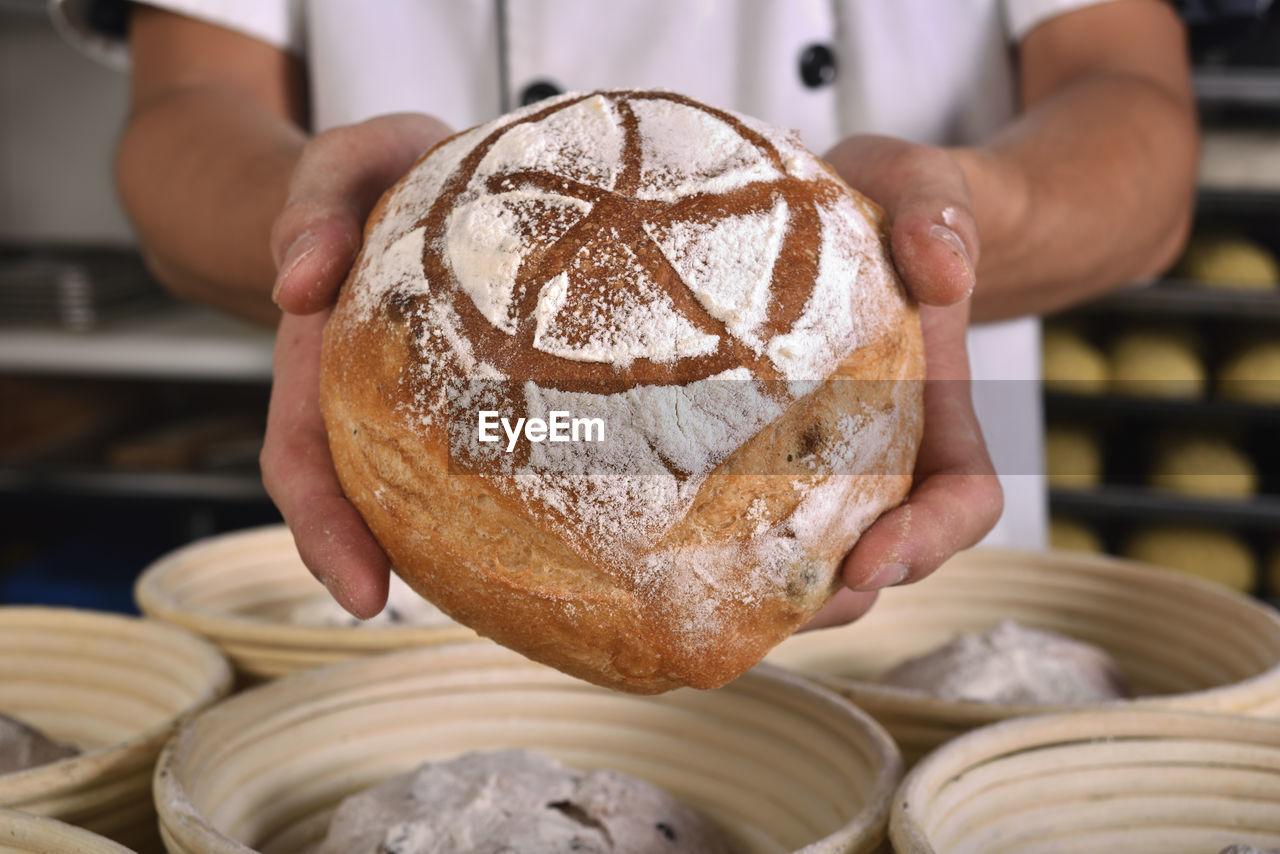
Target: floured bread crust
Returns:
[[699, 283]]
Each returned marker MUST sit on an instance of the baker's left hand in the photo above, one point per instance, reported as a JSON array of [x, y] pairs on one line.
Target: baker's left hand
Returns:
[[955, 498], [337, 181]]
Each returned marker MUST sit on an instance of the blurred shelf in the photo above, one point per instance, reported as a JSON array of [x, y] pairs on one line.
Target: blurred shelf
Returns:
[[1241, 162], [1185, 298], [174, 342], [1237, 201], [34, 8], [1135, 503], [1239, 86], [1199, 411], [207, 486]]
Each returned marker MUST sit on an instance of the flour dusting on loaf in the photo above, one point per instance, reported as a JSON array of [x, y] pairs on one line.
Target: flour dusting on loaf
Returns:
[[694, 280]]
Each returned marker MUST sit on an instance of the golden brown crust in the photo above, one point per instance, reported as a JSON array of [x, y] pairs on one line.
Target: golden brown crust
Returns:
[[753, 547]]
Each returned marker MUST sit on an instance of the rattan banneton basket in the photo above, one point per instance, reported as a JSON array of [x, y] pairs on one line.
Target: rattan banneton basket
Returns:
[[1184, 643], [117, 688], [779, 763], [1104, 780], [238, 589], [25, 833]]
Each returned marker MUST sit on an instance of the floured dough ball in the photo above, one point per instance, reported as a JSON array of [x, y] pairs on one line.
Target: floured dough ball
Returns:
[[1073, 457], [23, 747], [1247, 849], [1209, 553], [1203, 466], [404, 608], [1015, 664], [1251, 374], [1072, 364], [517, 801], [1156, 363], [618, 379], [1072, 535], [1229, 261]]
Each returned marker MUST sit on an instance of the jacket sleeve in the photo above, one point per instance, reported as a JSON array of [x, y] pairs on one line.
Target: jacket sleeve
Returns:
[[99, 27], [1023, 16]]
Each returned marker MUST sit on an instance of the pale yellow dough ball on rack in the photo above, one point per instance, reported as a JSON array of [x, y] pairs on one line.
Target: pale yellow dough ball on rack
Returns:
[[1273, 572], [1229, 261], [1073, 364], [1203, 467], [1073, 535], [1073, 457], [1209, 553], [1251, 374], [1157, 363]]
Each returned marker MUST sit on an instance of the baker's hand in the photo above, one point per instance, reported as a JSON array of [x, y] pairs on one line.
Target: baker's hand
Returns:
[[955, 498], [338, 180]]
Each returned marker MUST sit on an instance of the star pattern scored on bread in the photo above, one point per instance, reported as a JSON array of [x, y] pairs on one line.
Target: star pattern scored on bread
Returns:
[[613, 243]]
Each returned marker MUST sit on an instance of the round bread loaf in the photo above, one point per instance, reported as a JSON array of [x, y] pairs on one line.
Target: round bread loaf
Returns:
[[718, 371]]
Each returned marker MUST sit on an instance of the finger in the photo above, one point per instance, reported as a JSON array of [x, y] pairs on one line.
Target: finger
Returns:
[[933, 233], [844, 607], [947, 513], [929, 244], [952, 507], [336, 184], [298, 472], [957, 497]]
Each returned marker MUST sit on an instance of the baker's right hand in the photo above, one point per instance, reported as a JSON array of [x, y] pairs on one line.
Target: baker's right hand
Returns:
[[315, 239]]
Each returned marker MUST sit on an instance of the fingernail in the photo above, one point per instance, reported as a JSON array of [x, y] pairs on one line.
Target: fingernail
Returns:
[[956, 245], [886, 576], [301, 247]]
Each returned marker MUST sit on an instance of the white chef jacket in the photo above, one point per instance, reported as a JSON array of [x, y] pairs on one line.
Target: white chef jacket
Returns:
[[931, 71]]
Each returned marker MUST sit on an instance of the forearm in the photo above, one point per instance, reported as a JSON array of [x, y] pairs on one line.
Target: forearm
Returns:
[[202, 172], [1088, 190]]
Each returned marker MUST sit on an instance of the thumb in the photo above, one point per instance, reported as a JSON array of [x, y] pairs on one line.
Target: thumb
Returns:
[[932, 231], [339, 178]]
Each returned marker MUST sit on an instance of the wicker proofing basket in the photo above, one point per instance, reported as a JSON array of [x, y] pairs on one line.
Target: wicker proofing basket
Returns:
[[1123, 780], [117, 687], [1183, 642], [238, 589], [778, 762], [24, 833]]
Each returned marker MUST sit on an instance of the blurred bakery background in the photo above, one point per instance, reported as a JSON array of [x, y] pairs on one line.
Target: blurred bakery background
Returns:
[[1162, 401], [131, 422]]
